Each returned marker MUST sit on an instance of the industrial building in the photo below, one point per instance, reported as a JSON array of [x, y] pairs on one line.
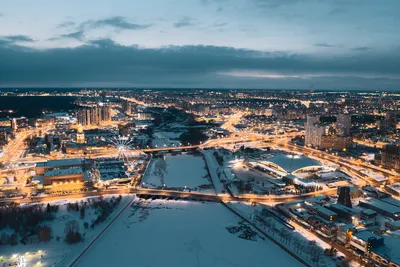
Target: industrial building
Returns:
[[381, 207], [60, 171]]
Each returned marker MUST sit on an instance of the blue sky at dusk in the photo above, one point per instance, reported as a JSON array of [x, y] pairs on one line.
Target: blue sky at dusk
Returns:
[[293, 44]]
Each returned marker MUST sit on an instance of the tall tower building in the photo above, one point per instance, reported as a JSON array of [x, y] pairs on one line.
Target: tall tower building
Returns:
[[105, 113], [314, 130], [95, 115], [344, 196], [83, 116], [390, 157], [343, 124], [390, 119]]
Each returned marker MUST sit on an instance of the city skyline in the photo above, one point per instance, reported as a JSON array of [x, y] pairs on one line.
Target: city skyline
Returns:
[[201, 44], [303, 178]]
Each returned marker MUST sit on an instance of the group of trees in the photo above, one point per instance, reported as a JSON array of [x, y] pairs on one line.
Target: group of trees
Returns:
[[219, 158], [26, 221], [72, 234], [301, 189], [30, 221], [6, 239], [243, 188], [104, 208], [193, 136], [23, 218]]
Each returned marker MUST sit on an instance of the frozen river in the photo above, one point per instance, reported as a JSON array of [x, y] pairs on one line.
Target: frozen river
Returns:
[[180, 234]]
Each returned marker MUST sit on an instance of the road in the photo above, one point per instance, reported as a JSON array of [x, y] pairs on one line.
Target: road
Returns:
[[234, 119], [134, 100], [14, 149], [134, 152], [174, 194]]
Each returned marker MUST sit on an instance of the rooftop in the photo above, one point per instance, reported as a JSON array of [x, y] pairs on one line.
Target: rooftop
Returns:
[[62, 163], [390, 250], [365, 235], [381, 205], [395, 187], [291, 163], [324, 210], [344, 208], [60, 172]]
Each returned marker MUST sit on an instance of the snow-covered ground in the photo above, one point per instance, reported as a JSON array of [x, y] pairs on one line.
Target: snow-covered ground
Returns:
[[59, 253], [178, 172], [181, 233]]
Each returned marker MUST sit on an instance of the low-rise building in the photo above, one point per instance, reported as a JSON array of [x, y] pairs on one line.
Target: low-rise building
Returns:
[[349, 214], [60, 171], [364, 241], [387, 254], [323, 212], [63, 176], [381, 207], [394, 189], [392, 225]]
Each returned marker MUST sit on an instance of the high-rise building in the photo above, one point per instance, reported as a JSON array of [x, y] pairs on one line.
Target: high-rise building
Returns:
[[105, 113], [93, 115], [127, 106], [84, 117], [344, 196], [390, 157], [390, 119], [314, 130], [343, 124], [326, 136]]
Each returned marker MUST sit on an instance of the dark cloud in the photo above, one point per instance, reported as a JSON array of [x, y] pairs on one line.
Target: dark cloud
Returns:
[[79, 35], [117, 22], [274, 3], [104, 62], [1, 14], [361, 48], [104, 43], [66, 24], [324, 45], [16, 38], [185, 22]]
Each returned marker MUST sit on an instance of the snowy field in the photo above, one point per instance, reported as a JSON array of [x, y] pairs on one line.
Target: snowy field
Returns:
[[59, 253], [178, 172], [181, 234]]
